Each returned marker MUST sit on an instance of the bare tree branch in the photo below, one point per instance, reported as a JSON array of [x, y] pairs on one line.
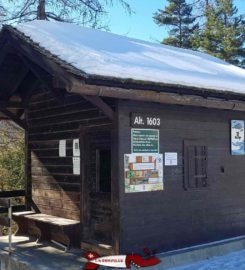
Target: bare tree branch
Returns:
[[84, 12]]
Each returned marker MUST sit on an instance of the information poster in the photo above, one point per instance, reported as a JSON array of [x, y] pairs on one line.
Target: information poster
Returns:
[[145, 140], [171, 159], [76, 148], [76, 165], [62, 148], [237, 137], [143, 172]]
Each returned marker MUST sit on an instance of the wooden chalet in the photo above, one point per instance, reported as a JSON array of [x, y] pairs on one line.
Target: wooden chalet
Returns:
[[85, 158]]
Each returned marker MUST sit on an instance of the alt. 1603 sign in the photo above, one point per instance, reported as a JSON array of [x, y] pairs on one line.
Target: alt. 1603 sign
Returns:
[[145, 120]]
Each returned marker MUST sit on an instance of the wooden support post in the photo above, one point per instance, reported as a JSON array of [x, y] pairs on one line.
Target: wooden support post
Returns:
[[7, 221], [83, 195], [115, 207], [10, 225], [28, 182]]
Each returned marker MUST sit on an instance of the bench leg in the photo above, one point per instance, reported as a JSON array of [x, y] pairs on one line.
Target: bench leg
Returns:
[[33, 230], [58, 235], [73, 235], [66, 235], [22, 224], [60, 245], [44, 231]]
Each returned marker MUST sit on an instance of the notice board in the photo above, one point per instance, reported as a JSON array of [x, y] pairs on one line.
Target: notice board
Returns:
[[144, 140], [143, 172]]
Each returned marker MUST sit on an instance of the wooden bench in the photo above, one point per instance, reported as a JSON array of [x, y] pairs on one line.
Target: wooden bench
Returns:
[[49, 228], [23, 224]]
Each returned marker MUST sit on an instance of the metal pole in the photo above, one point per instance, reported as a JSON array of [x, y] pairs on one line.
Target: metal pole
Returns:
[[10, 225]]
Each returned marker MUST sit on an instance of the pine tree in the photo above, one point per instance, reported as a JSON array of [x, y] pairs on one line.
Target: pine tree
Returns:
[[178, 17], [224, 32]]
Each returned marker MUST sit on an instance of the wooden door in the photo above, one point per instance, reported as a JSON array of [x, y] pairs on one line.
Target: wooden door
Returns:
[[96, 213]]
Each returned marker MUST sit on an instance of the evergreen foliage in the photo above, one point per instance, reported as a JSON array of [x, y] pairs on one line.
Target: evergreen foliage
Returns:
[[224, 33], [178, 17], [217, 29]]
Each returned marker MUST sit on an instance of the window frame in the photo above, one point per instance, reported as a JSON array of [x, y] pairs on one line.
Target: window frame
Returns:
[[186, 165]]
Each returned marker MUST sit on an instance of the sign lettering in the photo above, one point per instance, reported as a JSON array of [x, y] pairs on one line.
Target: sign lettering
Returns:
[[145, 140], [145, 120]]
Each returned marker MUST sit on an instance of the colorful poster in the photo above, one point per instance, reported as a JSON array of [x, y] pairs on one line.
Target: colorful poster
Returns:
[[237, 137], [143, 172]]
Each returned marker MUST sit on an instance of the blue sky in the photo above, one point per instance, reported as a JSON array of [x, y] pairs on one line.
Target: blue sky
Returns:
[[140, 24]]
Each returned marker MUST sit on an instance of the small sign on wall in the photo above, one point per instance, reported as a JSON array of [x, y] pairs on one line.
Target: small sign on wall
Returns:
[[171, 159], [143, 120], [76, 148], [237, 137], [62, 148], [76, 165]]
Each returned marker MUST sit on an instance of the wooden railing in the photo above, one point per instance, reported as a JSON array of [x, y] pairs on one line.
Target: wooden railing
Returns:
[[12, 194]]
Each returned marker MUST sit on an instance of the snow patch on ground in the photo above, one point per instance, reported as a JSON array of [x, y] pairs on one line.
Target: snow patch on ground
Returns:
[[231, 261], [101, 53]]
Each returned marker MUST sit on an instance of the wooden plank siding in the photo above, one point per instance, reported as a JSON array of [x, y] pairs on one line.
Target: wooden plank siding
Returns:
[[176, 218], [55, 189]]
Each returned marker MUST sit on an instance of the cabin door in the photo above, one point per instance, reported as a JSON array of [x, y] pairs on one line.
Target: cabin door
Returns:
[[96, 186]]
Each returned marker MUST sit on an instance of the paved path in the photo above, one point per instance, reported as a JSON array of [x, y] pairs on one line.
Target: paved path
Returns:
[[39, 256], [28, 255], [231, 261]]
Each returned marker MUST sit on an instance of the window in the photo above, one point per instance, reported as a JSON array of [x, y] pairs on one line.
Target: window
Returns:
[[195, 165], [103, 170]]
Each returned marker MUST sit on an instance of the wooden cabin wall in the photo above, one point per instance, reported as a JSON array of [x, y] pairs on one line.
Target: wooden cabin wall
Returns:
[[176, 218], [55, 189]]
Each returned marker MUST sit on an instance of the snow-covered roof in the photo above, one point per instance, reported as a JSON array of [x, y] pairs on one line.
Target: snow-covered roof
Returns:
[[101, 53]]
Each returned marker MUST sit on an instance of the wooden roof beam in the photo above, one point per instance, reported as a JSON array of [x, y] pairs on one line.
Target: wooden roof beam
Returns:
[[4, 51], [15, 98], [98, 102], [40, 74], [15, 105], [20, 113], [29, 90], [11, 104], [14, 118], [18, 79], [158, 97], [95, 100], [50, 66]]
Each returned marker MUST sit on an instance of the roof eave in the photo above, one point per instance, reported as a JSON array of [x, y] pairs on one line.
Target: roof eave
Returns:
[[144, 89]]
